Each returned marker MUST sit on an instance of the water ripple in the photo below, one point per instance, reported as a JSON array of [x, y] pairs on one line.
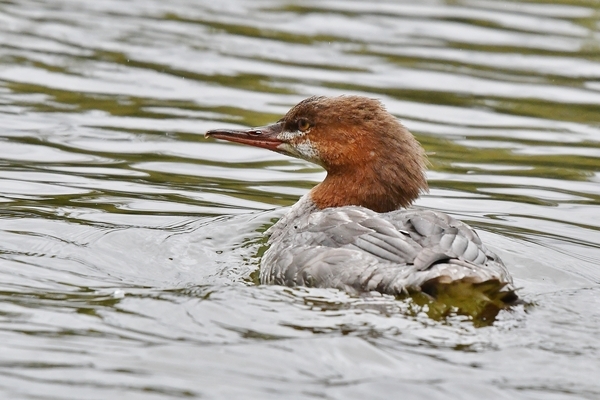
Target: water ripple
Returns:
[[129, 244]]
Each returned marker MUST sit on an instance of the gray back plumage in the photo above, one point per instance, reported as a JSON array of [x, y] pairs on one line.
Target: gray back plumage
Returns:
[[358, 250]]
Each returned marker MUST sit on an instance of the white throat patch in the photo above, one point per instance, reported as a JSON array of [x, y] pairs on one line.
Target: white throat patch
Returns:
[[302, 147], [307, 150]]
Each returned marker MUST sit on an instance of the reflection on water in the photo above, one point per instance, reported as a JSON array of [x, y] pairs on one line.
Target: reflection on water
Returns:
[[128, 243]]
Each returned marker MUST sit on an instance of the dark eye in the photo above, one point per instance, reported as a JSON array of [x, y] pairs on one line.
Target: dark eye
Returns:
[[303, 125]]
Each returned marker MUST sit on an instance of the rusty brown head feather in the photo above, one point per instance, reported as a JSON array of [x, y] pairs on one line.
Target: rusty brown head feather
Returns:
[[371, 159]]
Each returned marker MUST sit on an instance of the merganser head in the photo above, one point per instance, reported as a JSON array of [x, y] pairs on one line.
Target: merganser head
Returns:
[[370, 158]]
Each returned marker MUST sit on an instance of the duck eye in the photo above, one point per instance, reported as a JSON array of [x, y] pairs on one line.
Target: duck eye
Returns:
[[303, 125]]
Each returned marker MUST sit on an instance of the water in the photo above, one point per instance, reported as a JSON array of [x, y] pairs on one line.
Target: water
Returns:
[[129, 243]]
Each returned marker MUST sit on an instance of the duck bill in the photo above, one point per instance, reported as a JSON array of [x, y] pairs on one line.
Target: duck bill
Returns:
[[265, 137]]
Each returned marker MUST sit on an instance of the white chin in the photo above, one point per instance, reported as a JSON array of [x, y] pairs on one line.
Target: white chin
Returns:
[[304, 150]]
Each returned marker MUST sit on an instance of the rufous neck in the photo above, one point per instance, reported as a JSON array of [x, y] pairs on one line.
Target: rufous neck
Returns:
[[385, 189]]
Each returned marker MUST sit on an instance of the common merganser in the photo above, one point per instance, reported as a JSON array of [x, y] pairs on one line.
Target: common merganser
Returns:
[[353, 231]]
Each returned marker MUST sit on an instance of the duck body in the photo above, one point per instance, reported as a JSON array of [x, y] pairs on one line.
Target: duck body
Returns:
[[401, 252], [356, 230]]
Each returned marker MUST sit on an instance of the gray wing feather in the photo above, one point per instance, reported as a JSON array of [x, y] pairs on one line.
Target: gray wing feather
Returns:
[[356, 249]]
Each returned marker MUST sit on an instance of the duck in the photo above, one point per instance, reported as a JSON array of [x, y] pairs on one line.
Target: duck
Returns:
[[358, 230]]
